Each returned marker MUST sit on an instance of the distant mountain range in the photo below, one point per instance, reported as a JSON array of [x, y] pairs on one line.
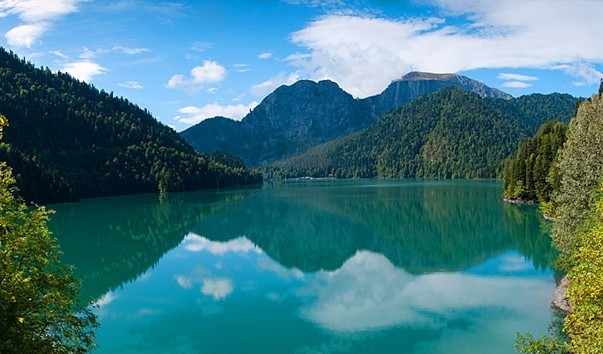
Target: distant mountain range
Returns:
[[296, 118]]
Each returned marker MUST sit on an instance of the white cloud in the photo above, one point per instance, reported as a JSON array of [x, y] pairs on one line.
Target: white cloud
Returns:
[[265, 55], [516, 77], [266, 87], [209, 72], [194, 115], [516, 84], [135, 85], [25, 35], [84, 70], [363, 54], [196, 243], [37, 15]]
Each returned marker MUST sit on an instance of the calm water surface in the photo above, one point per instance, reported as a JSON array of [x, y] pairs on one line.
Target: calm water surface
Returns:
[[314, 267]]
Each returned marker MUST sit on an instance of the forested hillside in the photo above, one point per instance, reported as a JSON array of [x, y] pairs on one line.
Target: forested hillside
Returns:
[[68, 140], [448, 134]]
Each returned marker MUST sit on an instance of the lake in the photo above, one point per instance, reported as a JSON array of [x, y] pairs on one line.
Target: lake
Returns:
[[352, 266]]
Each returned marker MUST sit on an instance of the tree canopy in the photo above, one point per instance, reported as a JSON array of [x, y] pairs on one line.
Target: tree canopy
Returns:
[[38, 295]]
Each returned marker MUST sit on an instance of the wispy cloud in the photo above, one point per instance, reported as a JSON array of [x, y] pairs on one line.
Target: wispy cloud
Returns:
[[283, 78], [209, 72], [516, 77], [59, 54], [499, 34], [194, 115], [265, 55], [129, 51], [37, 17], [135, 85], [516, 84], [241, 68], [516, 81]]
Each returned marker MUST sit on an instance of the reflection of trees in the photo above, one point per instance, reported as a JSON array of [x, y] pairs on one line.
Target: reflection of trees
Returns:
[[531, 234], [114, 240], [422, 227]]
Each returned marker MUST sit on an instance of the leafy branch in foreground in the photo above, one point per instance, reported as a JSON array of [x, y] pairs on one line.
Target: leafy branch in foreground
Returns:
[[38, 295]]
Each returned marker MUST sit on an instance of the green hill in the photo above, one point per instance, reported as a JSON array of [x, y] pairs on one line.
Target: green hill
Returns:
[[68, 140], [451, 133]]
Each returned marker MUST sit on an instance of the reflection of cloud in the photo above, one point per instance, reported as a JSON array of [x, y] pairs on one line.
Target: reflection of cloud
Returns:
[[196, 243], [106, 299], [514, 264], [369, 292], [269, 265], [218, 288]]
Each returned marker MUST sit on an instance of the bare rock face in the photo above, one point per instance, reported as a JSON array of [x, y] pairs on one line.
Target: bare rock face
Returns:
[[416, 84], [560, 300], [294, 118]]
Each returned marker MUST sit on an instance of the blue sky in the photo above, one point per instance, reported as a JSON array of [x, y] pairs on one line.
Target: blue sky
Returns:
[[189, 60]]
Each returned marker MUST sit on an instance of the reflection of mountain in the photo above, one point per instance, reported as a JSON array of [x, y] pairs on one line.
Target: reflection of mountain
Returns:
[[422, 227], [114, 240]]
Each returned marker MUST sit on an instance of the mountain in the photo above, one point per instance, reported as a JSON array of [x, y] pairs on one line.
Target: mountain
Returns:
[[416, 84], [67, 140], [295, 118], [450, 133], [289, 120]]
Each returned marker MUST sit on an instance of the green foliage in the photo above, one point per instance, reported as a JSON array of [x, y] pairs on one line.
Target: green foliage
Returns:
[[447, 134], [38, 312], [68, 140], [584, 323], [580, 168], [525, 175], [545, 345]]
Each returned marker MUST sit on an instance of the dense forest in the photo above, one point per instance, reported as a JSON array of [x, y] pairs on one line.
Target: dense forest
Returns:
[[530, 175], [575, 190], [451, 133], [68, 140]]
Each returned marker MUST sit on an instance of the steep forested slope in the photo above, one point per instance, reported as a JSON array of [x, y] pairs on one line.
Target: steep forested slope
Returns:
[[447, 134], [68, 140], [526, 174]]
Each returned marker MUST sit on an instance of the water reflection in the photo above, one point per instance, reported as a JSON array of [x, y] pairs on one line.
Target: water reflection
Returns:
[[369, 292], [420, 227], [338, 267]]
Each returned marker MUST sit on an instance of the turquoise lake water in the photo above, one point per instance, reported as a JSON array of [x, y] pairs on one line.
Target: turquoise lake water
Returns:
[[364, 266]]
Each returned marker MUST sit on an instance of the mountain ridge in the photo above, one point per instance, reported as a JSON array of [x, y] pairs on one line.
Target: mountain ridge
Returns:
[[294, 118], [449, 133]]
